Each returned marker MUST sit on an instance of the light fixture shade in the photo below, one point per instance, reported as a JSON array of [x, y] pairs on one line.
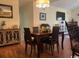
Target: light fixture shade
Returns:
[[42, 3]]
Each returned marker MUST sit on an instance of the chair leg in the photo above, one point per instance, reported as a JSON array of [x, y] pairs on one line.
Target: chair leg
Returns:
[[49, 47], [45, 46], [58, 47], [34, 48], [72, 54], [26, 48], [52, 50], [31, 50]]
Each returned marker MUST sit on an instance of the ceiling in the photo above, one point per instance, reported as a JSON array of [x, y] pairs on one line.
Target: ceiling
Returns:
[[24, 2], [66, 4]]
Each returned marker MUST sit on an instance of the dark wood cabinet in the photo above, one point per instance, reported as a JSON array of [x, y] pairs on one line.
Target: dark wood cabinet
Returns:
[[73, 23], [9, 36]]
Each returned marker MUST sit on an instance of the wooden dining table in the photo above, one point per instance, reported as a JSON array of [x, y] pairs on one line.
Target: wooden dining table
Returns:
[[38, 37]]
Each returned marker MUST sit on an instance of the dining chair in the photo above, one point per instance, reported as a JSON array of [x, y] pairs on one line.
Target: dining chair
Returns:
[[35, 29], [29, 40], [52, 39], [55, 38], [74, 39]]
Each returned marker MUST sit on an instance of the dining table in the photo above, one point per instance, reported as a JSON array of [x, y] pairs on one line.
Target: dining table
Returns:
[[38, 37]]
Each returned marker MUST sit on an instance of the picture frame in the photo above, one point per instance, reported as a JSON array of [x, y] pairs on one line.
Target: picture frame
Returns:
[[6, 11], [60, 14], [42, 16]]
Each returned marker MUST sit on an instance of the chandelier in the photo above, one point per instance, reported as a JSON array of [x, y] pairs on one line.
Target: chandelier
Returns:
[[42, 3]]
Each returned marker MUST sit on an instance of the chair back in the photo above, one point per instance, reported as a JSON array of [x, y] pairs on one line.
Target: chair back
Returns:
[[35, 29], [55, 32], [27, 34]]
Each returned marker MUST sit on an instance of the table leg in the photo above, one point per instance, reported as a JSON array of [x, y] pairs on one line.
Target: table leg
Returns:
[[38, 46], [38, 55]]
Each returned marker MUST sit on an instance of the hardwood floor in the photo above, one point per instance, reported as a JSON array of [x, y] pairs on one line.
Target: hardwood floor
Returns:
[[17, 51]]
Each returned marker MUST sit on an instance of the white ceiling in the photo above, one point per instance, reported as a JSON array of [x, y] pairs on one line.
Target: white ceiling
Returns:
[[66, 4], [23, 2]]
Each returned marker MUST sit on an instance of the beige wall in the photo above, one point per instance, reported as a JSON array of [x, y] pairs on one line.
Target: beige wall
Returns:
[[15, 20], [74, 14], [50, 15], [26, 15]]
